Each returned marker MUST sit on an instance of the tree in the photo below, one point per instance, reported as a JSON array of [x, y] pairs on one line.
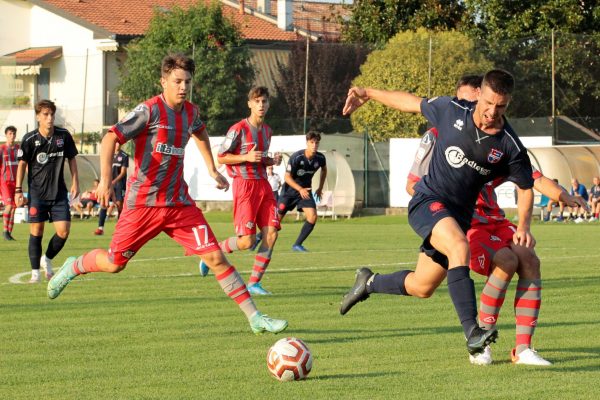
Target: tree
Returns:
[[376, 21], [522, 44], [223, 70], [331, 68], [403, 65]]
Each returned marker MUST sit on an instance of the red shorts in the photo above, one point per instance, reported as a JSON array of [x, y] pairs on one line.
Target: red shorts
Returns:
[[7, 192], [184, 224], [253, 205], [485, 241]]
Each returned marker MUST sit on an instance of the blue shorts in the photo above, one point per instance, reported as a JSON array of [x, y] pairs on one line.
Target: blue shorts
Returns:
[[288, 201], [51, 211], [425, 211]]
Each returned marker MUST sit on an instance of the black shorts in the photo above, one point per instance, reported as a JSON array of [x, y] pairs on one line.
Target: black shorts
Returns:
[[119, 192], [51, 211], [85, 202], [288, 201], [425, 211]]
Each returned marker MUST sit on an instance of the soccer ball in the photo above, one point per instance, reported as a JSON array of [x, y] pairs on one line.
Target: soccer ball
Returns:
[[289, 359]]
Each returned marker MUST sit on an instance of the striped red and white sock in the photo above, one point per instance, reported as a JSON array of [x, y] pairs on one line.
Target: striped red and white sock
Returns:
[[233, 285], [229, 245], [528, 300], [492, 298], [261, 262], [86, 263], [6, 221]]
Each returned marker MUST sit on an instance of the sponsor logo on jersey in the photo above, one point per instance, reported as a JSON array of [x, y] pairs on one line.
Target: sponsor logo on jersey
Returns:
[[456, 158], [459, 124], [169, 149], [481, 260], [302, 172], [494, 238], [43, 158], [37, 143], [420, 154], [494, 156], [60, 142], [165, 127]]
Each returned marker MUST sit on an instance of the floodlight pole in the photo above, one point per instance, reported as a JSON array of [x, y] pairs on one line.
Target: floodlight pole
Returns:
[[306, 81], [429, 83], [554, 130]]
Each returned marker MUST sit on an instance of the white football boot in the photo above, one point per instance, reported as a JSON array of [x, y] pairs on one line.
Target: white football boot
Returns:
[[484, 358], [528, 357]]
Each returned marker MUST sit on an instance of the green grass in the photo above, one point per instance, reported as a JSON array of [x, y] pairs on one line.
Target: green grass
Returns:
[[159, 331]]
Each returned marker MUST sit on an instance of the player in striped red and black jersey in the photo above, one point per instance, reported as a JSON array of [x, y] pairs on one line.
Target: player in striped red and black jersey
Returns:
[[157, 198], [8, 175], [245, 153]]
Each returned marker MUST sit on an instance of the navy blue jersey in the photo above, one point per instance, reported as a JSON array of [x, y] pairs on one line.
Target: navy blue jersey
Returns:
[[45, 159], [465, 158], [120, 160], [302, 169]]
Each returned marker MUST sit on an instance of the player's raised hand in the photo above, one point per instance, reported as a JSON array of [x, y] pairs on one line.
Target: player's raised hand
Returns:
[[222, 182], [357, 96], [524, 237]]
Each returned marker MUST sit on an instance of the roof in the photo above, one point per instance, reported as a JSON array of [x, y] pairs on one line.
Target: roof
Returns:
[[36, 55], [132, 17]]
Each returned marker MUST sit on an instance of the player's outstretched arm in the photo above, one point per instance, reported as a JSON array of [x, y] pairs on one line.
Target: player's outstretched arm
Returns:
[[523, 236], [555, 192], [203, 144], [403, 101]]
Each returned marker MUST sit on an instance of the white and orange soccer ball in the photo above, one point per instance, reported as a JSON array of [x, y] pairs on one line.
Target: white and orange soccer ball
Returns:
[[289, 359]]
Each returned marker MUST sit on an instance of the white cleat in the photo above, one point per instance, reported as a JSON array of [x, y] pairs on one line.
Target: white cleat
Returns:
[[46, 265], [528, 357], [484, 358]]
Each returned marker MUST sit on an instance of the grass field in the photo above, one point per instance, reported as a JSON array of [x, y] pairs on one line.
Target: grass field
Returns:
[[159, 331]]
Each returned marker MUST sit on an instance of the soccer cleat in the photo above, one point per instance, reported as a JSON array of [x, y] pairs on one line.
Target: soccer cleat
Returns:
[[528, 357], [480, 338], [62, 278], [99, 232], [358, 292], [483, 358], [260, 323], [300, 248], [46, 265], [257, 289], [34, 278], [203, 268], [8, 236], [579, 220], [560, 219]]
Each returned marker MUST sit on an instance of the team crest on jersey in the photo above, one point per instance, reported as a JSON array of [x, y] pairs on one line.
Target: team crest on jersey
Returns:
[[316, 165], [426, 139], [249, 224], [60, 142], [494, 156], [459, 124], [436, 207]]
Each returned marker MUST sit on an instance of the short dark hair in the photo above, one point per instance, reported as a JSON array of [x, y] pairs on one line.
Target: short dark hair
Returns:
[[258, 91], [313, 135], [10, 128], [42, 104], [177, 61], [500, 81], [469, 80]]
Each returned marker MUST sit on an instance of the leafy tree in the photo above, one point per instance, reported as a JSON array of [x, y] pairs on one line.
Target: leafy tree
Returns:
[[376, 21], [517, 36], [223, 70], [331, 68], [403, 65]]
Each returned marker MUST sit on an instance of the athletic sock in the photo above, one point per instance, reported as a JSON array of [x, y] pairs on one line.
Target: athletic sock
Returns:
[[462, 292], [86, 263], [55, 245], [35, 251], [528, 300], [232, 284], [102, 218], [229, 245], [261, 262], [6, 221], [307, 228], [492, 298], [389, 283], [11, 221]]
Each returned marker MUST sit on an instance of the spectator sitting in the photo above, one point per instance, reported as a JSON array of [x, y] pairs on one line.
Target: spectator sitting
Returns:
[[578, 190], [87, 201], [595, 199], [552, 204]]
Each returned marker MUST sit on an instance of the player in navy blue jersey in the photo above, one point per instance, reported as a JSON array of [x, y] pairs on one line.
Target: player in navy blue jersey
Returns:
[[297, 189], [476, 145], [43, 154]]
